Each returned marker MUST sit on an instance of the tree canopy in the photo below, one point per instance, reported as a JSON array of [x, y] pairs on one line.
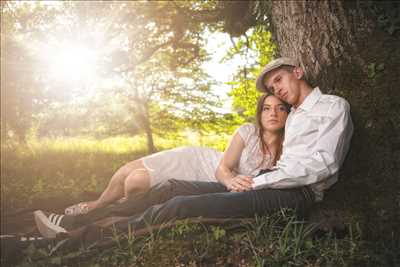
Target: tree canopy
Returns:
[[142, 57]]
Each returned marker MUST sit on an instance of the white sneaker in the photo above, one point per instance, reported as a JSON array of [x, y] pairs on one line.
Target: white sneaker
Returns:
[[48, 225]]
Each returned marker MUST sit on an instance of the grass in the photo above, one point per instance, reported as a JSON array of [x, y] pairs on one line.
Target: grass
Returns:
[[277, 240], [47, 167]]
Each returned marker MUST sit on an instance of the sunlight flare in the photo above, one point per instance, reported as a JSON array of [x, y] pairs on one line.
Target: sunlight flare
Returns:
[[71, 62]]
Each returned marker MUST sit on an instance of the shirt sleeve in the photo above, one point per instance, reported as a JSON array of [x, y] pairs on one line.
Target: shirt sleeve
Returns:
[[245, 131], [324, 160]]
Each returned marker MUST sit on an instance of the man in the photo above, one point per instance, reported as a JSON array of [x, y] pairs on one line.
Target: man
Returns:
[[317, 132], [317, 137]]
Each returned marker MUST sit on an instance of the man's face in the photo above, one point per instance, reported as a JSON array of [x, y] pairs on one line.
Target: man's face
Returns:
[[285, 85]]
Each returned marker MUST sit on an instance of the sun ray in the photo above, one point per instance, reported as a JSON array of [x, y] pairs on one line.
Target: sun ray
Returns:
[[72, 62]]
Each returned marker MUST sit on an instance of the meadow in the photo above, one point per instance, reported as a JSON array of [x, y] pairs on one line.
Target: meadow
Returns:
[[66, 166], [46, 167]]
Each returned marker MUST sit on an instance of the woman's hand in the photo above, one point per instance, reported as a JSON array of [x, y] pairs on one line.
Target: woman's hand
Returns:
[[240, 183]]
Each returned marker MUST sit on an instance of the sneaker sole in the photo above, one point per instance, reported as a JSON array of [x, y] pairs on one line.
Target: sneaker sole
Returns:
[[45, 226]]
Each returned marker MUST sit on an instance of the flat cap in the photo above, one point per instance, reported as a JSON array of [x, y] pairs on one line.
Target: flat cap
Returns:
[[274, 64]]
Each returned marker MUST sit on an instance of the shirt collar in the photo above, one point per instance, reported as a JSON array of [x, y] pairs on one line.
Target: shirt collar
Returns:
[[310, 100]]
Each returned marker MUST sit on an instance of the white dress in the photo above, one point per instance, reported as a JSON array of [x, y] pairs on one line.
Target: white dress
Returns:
[[192, 163]]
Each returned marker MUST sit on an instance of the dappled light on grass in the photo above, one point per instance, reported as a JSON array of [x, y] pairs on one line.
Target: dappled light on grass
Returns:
[[48, 167], [114, 145], [119, 144]]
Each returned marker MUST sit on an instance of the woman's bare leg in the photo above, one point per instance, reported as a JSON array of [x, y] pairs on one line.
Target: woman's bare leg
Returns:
[[115, 189], [137, 181]]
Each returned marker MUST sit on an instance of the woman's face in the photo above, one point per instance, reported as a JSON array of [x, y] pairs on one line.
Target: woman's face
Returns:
[[274, 114]]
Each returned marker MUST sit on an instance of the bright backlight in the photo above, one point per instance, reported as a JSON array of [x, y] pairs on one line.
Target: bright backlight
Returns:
[[72, 63]]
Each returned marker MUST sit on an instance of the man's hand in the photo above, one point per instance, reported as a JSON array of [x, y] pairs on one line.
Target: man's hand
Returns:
[[240, 183]]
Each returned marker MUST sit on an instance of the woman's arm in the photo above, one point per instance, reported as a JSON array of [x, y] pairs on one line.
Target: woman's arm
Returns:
[[225, 170]]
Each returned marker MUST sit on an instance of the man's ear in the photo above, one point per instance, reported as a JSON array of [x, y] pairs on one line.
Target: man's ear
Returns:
[[298, 72]]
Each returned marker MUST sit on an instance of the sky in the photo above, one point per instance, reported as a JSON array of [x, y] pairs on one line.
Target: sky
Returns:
[[218, 45], [222, 72]]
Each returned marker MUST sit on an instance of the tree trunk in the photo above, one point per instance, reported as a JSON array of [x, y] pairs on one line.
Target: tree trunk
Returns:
[[150, 143], [147, 127], [346, 50]]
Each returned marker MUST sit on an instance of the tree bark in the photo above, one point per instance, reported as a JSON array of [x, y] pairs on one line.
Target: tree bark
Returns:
[[346, 50], [147, 128], [321, 34], [150, 143]]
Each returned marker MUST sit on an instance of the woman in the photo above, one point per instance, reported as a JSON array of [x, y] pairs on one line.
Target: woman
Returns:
[[252, 148]]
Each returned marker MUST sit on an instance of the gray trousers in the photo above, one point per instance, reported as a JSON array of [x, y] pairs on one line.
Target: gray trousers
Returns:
[[176, 199]]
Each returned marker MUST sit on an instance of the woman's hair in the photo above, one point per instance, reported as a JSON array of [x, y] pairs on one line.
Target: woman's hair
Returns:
[[260, 128]]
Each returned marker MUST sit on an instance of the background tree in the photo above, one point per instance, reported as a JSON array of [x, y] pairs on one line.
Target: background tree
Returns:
[[22, 93], [150, 49], [257, 47]]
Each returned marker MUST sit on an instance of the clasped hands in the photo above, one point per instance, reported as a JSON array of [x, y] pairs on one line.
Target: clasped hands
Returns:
[[240, 183]]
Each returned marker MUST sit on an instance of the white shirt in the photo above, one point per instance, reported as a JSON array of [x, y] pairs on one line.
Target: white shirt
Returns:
[[317, 138], [252, 159]]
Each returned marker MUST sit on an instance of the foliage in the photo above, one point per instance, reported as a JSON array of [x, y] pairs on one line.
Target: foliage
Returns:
[[152, 62], [260, 49], [22, 94]]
